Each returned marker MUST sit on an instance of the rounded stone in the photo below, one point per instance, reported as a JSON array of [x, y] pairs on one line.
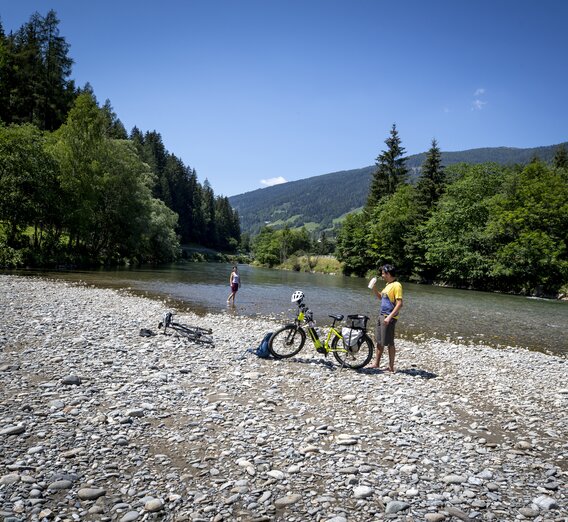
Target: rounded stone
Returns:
[[154, 505], [91, 493]]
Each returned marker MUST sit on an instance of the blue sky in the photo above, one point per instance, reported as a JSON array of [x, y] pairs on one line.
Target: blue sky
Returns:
[[251, 92]]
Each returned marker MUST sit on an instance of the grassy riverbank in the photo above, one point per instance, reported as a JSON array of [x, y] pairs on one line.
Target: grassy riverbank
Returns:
[[312, 263]]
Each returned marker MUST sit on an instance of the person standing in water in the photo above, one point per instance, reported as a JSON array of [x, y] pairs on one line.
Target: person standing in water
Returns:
[[391, 303], [234, 283]]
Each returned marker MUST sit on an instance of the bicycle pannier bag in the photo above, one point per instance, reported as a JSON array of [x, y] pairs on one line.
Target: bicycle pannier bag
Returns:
[[351, 336]]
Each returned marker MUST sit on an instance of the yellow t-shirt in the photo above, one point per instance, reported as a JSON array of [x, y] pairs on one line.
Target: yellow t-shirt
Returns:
[[389, 296]]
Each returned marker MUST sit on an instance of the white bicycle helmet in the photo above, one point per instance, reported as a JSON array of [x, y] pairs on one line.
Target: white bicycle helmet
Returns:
[[297, 296]]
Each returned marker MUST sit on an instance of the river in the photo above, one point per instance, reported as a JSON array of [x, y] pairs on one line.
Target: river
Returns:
[[461, 316]]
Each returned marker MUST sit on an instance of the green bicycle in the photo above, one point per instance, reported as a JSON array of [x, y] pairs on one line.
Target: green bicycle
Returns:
[[351, 347]]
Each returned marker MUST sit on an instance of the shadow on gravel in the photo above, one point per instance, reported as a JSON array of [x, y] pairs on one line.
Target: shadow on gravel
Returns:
[[413, 372], [333, 366]]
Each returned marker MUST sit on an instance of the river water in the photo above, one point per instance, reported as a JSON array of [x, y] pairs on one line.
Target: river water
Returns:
[[461, 316]]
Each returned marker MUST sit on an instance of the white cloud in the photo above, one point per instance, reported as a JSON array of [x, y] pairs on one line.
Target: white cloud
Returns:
[[272, 181], [479, 92], [477, 105]]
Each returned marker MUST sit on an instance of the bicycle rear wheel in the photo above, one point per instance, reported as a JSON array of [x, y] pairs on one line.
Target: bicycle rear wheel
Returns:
[[353, 357], [287, 341]]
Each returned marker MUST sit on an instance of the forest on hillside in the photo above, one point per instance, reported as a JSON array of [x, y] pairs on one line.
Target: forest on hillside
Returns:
[[321, 202], [75, 187]]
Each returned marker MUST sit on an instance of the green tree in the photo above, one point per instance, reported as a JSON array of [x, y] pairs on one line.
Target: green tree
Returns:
[[456, 246], [352, 247], [431, 181], [111, 213], [209, 237], [57, 91], [228, 230], [390, 170], [28, 184], [560, 160], [528, 224], [266, 247], [115, 128], [35, 69], [391, 227]]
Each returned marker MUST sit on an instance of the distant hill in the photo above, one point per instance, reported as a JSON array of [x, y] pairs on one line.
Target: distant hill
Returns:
[[320, 202]]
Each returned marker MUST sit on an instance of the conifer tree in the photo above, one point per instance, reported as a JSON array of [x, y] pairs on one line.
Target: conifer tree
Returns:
[[431, 181], [560, 160], [115, 128], [391, 170], [34, 72]]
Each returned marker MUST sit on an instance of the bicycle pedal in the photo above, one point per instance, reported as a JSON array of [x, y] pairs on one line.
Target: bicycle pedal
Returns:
[[321, 350]]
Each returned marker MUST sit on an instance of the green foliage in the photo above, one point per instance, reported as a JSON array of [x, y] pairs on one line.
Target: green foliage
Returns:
[[28, 184], [112, 198], [529, 226], [34, 74], [494, 228], [10, 257], [454, 237], [560, 160], [390, 227], [352, 245], [390, 170], [312, 263], [203, 217], [272, 247], [431, 180], [266, 247]]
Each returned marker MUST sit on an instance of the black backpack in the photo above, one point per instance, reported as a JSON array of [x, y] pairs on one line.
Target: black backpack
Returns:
[[262, 350]]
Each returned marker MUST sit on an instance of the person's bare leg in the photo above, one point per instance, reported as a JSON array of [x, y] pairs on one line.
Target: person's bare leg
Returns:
[[391, 357], [377, 362]]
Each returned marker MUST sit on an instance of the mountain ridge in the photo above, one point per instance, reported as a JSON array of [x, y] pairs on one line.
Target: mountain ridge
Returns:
[[320, 201]]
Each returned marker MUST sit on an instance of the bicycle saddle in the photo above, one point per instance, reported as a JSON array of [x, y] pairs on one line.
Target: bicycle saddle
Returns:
[[338, 317]]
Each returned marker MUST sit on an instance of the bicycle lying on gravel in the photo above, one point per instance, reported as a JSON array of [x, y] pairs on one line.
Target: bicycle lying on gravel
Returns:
[[352, 347], [194, 334]]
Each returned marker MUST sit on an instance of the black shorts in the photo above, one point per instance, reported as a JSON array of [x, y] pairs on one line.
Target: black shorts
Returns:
[[384, 333]]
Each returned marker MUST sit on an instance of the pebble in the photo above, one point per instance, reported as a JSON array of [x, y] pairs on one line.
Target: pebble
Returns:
[[394, 506], [90, 493], [546, 503], [154, 505], [362, 492], [98, 422], [288, 500]]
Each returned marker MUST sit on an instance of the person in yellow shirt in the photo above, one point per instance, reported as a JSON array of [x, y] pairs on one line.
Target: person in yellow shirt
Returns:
[[391, 303]]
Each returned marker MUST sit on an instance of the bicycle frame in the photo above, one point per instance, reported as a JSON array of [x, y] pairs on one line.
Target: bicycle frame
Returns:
[[305, 315]]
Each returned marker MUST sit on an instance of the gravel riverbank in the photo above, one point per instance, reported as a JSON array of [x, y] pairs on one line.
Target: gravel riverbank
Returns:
[[99, 423]]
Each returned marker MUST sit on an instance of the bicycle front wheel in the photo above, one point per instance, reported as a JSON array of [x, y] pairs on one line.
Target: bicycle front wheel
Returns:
[[353, 356], [287, 341]]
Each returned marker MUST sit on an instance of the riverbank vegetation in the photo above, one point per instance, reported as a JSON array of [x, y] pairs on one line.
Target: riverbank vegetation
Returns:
[[483, 226], [75, 188]]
